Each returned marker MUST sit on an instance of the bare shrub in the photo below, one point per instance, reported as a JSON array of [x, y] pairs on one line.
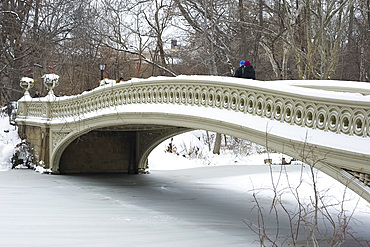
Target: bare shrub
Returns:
[[313, 216]]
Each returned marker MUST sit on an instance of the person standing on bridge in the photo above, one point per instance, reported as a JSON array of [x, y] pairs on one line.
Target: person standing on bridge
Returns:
[[37, 94], [239, 71], [248, 71]]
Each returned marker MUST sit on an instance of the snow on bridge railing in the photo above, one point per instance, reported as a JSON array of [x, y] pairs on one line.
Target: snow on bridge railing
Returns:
[[302, 105]]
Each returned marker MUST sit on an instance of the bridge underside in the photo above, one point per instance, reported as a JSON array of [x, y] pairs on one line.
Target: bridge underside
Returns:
[[118, 149]]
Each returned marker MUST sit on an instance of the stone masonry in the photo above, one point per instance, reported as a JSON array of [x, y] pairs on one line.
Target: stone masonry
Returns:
[[38, 137], [99, 152]]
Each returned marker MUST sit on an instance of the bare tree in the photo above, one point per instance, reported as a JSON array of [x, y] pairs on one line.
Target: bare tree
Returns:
[[212, 29], [14, 23], [45, 36], [354, 50], [136, 30], [288, 39], [159, 17], [316, 37], [310, 221]]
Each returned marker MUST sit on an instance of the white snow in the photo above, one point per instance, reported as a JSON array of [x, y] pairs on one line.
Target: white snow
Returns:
[[27, 79], [8, 140], [261, 182], [107, 82], [50, 77], [242, 182]]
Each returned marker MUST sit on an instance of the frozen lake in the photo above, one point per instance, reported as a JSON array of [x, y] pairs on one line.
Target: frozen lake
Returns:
[[165, 208]]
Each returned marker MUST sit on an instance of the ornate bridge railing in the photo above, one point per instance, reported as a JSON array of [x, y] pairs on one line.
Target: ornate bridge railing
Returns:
[[341, 113]]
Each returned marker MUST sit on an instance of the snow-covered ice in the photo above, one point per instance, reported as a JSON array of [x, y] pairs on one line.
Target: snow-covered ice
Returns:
[[202, 206]]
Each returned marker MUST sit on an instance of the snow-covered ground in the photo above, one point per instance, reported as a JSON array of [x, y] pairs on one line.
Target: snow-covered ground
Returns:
[[8, 140], [256, 181], [288, 182]]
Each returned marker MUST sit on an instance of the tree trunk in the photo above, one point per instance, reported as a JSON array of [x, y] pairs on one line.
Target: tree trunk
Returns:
[[242, 29], [258, 38], [208, 141], [217, 146]]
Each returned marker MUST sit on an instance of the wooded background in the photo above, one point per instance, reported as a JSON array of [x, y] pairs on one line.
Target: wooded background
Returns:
[[283, 39]]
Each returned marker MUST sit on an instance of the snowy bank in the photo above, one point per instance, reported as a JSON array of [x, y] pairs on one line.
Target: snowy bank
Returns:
[[8, 140]]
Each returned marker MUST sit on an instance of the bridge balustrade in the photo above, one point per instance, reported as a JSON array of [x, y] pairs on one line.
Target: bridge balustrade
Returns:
[[342, 116]]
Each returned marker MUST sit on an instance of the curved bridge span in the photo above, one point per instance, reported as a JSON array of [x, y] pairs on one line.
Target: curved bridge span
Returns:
[[318, 122]]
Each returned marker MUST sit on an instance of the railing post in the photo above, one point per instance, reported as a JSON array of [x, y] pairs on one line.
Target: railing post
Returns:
[[48, 110], [22, 110]]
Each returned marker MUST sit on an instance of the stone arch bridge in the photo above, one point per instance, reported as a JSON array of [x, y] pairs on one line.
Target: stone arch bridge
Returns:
[[114, 127]]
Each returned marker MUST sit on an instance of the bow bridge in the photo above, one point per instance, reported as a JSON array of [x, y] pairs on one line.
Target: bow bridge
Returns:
[[114, 127]]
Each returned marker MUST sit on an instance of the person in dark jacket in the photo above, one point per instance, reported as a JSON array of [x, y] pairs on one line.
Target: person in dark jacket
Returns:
[[239, 71], [248, 71]]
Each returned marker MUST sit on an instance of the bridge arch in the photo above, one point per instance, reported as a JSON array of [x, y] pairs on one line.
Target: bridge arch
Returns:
[[142, 157], [183, 123]]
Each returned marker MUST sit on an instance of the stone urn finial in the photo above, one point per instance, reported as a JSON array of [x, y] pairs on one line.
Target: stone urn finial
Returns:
[[26, 83], [51, 81]]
